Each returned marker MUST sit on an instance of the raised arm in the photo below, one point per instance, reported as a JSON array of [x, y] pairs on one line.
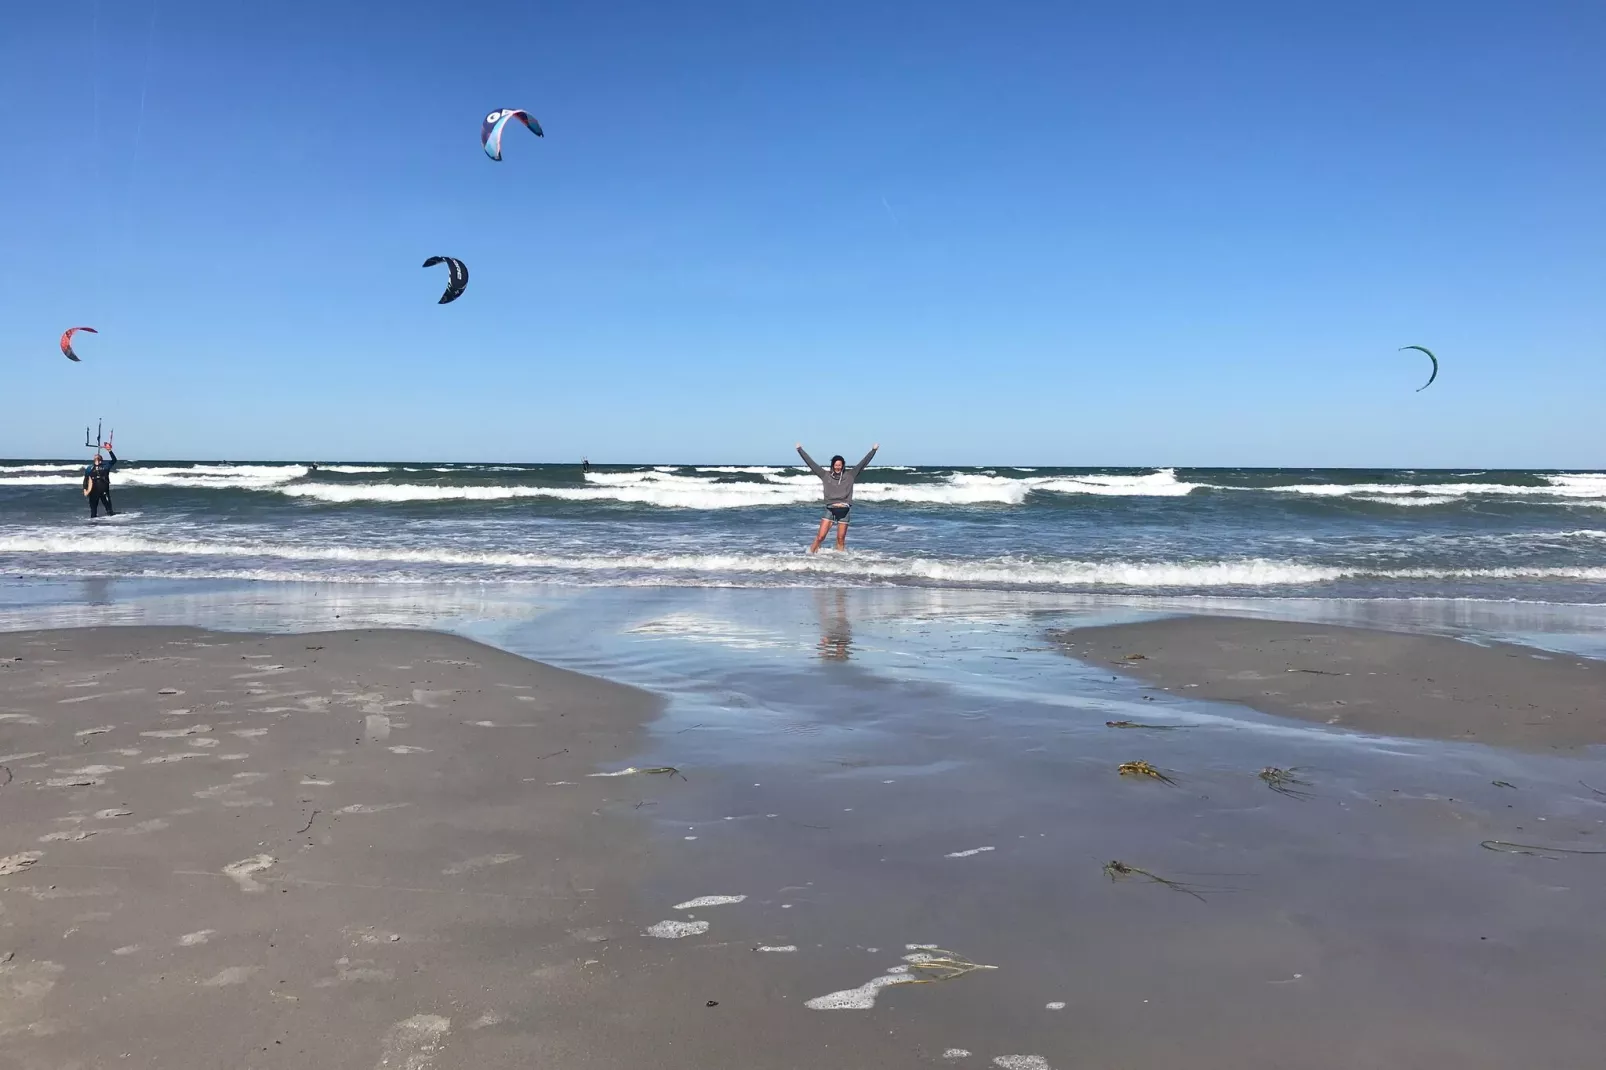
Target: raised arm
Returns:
[[861, 465], [113, 456], [816, 469]]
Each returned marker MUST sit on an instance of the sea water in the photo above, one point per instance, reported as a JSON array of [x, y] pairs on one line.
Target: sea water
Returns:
[[1532, 536]]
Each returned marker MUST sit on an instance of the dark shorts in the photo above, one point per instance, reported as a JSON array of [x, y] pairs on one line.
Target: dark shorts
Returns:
[[836, 512]]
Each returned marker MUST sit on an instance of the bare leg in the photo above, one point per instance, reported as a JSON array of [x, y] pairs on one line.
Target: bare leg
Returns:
[[825, 526], [842, 535]]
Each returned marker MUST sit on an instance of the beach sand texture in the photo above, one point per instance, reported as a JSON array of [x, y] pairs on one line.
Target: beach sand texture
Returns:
[[1372, 681], [409, 851], [314, 850]]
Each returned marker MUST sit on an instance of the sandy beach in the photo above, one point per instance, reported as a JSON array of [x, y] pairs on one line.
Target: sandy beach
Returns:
[[1373, 681], [404, 849], [316, 849]]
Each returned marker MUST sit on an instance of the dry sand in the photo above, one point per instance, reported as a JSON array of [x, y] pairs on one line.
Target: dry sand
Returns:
[[303, 850], [1374, 681]]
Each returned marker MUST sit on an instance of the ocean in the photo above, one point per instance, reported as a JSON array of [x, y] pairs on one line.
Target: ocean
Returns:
[[1529, 536]]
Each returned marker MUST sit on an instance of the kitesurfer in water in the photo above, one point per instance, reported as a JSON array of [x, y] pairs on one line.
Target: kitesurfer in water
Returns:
[[98, 484], [838, 482]]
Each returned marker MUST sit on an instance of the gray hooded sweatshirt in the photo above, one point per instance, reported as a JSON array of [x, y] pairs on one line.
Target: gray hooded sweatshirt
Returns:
[[838, 488]]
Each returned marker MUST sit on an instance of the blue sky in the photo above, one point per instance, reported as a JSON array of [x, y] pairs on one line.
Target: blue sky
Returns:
[[1099, 233]]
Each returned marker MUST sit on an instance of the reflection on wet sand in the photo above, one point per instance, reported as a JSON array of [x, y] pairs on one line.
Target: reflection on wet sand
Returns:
[[1387, 902], [836, 626]]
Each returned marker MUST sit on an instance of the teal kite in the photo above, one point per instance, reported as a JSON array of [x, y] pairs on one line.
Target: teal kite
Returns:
[[1435, 360]]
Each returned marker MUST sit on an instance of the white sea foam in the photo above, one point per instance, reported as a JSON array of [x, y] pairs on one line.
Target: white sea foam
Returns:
[[1566, 485], [709, 487], [200, 476], [667, 489], [862, 566], [857, 999], [1162, 484], [751, 470], [710, 901]]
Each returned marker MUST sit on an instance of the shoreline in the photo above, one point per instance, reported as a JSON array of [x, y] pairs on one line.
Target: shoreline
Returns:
[[403, 848], [1380, 682]]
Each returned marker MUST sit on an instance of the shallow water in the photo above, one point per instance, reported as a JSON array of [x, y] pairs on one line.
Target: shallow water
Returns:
[[1530, 535], [880, 768]]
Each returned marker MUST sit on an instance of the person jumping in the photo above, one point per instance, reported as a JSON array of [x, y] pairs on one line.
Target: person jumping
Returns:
[[838, 494], [98, 484]]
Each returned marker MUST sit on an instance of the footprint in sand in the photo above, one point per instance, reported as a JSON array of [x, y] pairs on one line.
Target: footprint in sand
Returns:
[[413, 1043], [347, 973], [233, 975], [243, 872], [178, 733], [477, 863], [17, 863]]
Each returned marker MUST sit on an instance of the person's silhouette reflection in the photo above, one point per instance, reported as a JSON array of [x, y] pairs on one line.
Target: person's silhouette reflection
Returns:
[[836, 627]]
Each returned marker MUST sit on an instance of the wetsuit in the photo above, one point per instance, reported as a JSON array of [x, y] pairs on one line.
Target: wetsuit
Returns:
[[838, 486], [98, 486]]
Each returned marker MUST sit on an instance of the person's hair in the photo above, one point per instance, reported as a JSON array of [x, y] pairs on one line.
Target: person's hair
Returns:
[[837, 458]]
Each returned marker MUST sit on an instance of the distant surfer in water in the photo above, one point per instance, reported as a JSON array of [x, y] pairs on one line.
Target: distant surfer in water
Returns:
[[838, 494], [585, 465], [98, 484]]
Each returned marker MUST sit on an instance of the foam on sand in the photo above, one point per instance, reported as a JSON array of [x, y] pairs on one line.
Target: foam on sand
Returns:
[[709, 901], [969, 853]]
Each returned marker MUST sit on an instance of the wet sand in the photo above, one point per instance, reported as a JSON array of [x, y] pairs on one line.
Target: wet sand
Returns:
[[451, 887], [1374, 681]]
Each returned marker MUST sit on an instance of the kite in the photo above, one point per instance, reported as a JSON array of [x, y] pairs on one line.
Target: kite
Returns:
[[491, 129], [456, 282], [66, 341], [1435, 360]]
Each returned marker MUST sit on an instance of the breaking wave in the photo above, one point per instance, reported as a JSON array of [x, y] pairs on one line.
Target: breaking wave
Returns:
[[441, 563]]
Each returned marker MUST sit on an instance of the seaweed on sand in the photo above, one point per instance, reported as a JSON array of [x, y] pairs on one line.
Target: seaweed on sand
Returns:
[[1283, 782], [1117, 870], [1143, 769], [941, 965]]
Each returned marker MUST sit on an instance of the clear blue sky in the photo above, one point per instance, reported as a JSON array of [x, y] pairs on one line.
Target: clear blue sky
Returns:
[[1074, 233]]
